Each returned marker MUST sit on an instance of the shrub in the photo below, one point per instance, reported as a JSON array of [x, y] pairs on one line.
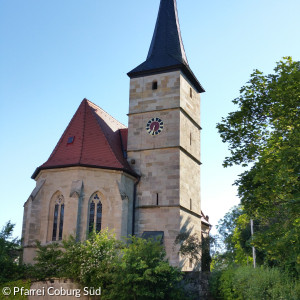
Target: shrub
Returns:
[[144, 273], [214, 283], [99, 258], [136, 270], [49, 261], [249, 283], [73, 252]]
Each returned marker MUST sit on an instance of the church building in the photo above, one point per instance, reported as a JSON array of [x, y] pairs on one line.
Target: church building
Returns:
[[142, 180]]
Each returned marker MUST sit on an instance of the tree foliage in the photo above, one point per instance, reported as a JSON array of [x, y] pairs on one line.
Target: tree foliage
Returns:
[[264, 134], [268, 115], [10, 251], [137, 269], [144, 273], [48, 261], [235, 236]]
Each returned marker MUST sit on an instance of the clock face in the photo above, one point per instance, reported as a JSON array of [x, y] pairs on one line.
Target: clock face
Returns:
[[155, 126]]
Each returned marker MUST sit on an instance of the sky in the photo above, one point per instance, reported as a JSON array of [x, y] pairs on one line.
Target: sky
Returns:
[[54, 53]]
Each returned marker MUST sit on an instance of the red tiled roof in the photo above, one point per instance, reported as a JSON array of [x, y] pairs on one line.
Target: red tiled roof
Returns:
[[124, 136], [99, 141]]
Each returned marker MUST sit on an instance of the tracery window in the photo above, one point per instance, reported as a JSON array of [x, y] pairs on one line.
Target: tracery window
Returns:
[[95, 213], [58, 218]]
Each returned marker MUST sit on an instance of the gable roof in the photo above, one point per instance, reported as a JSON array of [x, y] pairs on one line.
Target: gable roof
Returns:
[[93, 138], [166, 51]]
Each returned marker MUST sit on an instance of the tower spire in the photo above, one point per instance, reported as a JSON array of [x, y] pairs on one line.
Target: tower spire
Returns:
[[166, 52], [167, 36]]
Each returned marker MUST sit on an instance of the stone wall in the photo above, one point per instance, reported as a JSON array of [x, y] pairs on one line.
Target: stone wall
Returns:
[[197, 285], [77, 185], [58, 289]]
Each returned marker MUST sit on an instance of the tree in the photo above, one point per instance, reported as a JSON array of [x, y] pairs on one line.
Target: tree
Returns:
[[235, 235], [10, 251], [264, 134], [268, 114]]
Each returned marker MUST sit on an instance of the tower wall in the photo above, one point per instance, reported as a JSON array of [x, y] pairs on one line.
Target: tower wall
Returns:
[[168, 194]]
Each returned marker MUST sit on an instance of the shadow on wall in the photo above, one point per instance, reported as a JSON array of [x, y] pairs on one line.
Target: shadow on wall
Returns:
[[189, 246]]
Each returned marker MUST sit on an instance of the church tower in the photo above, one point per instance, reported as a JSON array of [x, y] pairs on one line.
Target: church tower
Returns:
[[142, 180], [164, 137]]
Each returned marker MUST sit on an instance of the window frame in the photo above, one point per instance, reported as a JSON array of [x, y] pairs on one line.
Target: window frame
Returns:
[[95, 213]]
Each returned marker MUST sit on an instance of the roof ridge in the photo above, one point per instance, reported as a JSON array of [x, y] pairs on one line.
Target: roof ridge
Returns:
[[107, 139], [83, 129], [180, 36], [63, 135], [105, 112]]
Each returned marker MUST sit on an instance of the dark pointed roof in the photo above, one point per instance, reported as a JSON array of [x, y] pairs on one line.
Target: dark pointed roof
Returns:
[[166, 51], [93, 138]]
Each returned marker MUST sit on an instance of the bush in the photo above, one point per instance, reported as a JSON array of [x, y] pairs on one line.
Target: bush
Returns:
[[136, 270], [214, 283], [48, 260], [144, 273], [97, 261], [249, 283]]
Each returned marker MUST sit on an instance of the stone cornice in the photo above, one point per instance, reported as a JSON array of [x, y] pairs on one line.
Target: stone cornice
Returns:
[[169, 109], [164, 148], [170, 206]]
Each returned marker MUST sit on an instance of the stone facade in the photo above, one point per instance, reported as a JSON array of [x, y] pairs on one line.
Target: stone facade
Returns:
[[168, 194], [76, 186]]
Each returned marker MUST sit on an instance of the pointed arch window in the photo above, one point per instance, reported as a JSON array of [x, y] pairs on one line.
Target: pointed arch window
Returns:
[[58, 219], [95, 213]]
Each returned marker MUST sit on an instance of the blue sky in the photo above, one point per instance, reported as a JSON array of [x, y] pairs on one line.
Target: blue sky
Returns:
[[55, 53]]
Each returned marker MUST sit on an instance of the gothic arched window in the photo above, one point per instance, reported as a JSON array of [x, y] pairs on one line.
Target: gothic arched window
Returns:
[[95, 213], [58, 218]]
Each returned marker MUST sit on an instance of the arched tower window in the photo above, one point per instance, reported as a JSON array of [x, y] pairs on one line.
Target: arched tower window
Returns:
[[95, 213], [58, 218]]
